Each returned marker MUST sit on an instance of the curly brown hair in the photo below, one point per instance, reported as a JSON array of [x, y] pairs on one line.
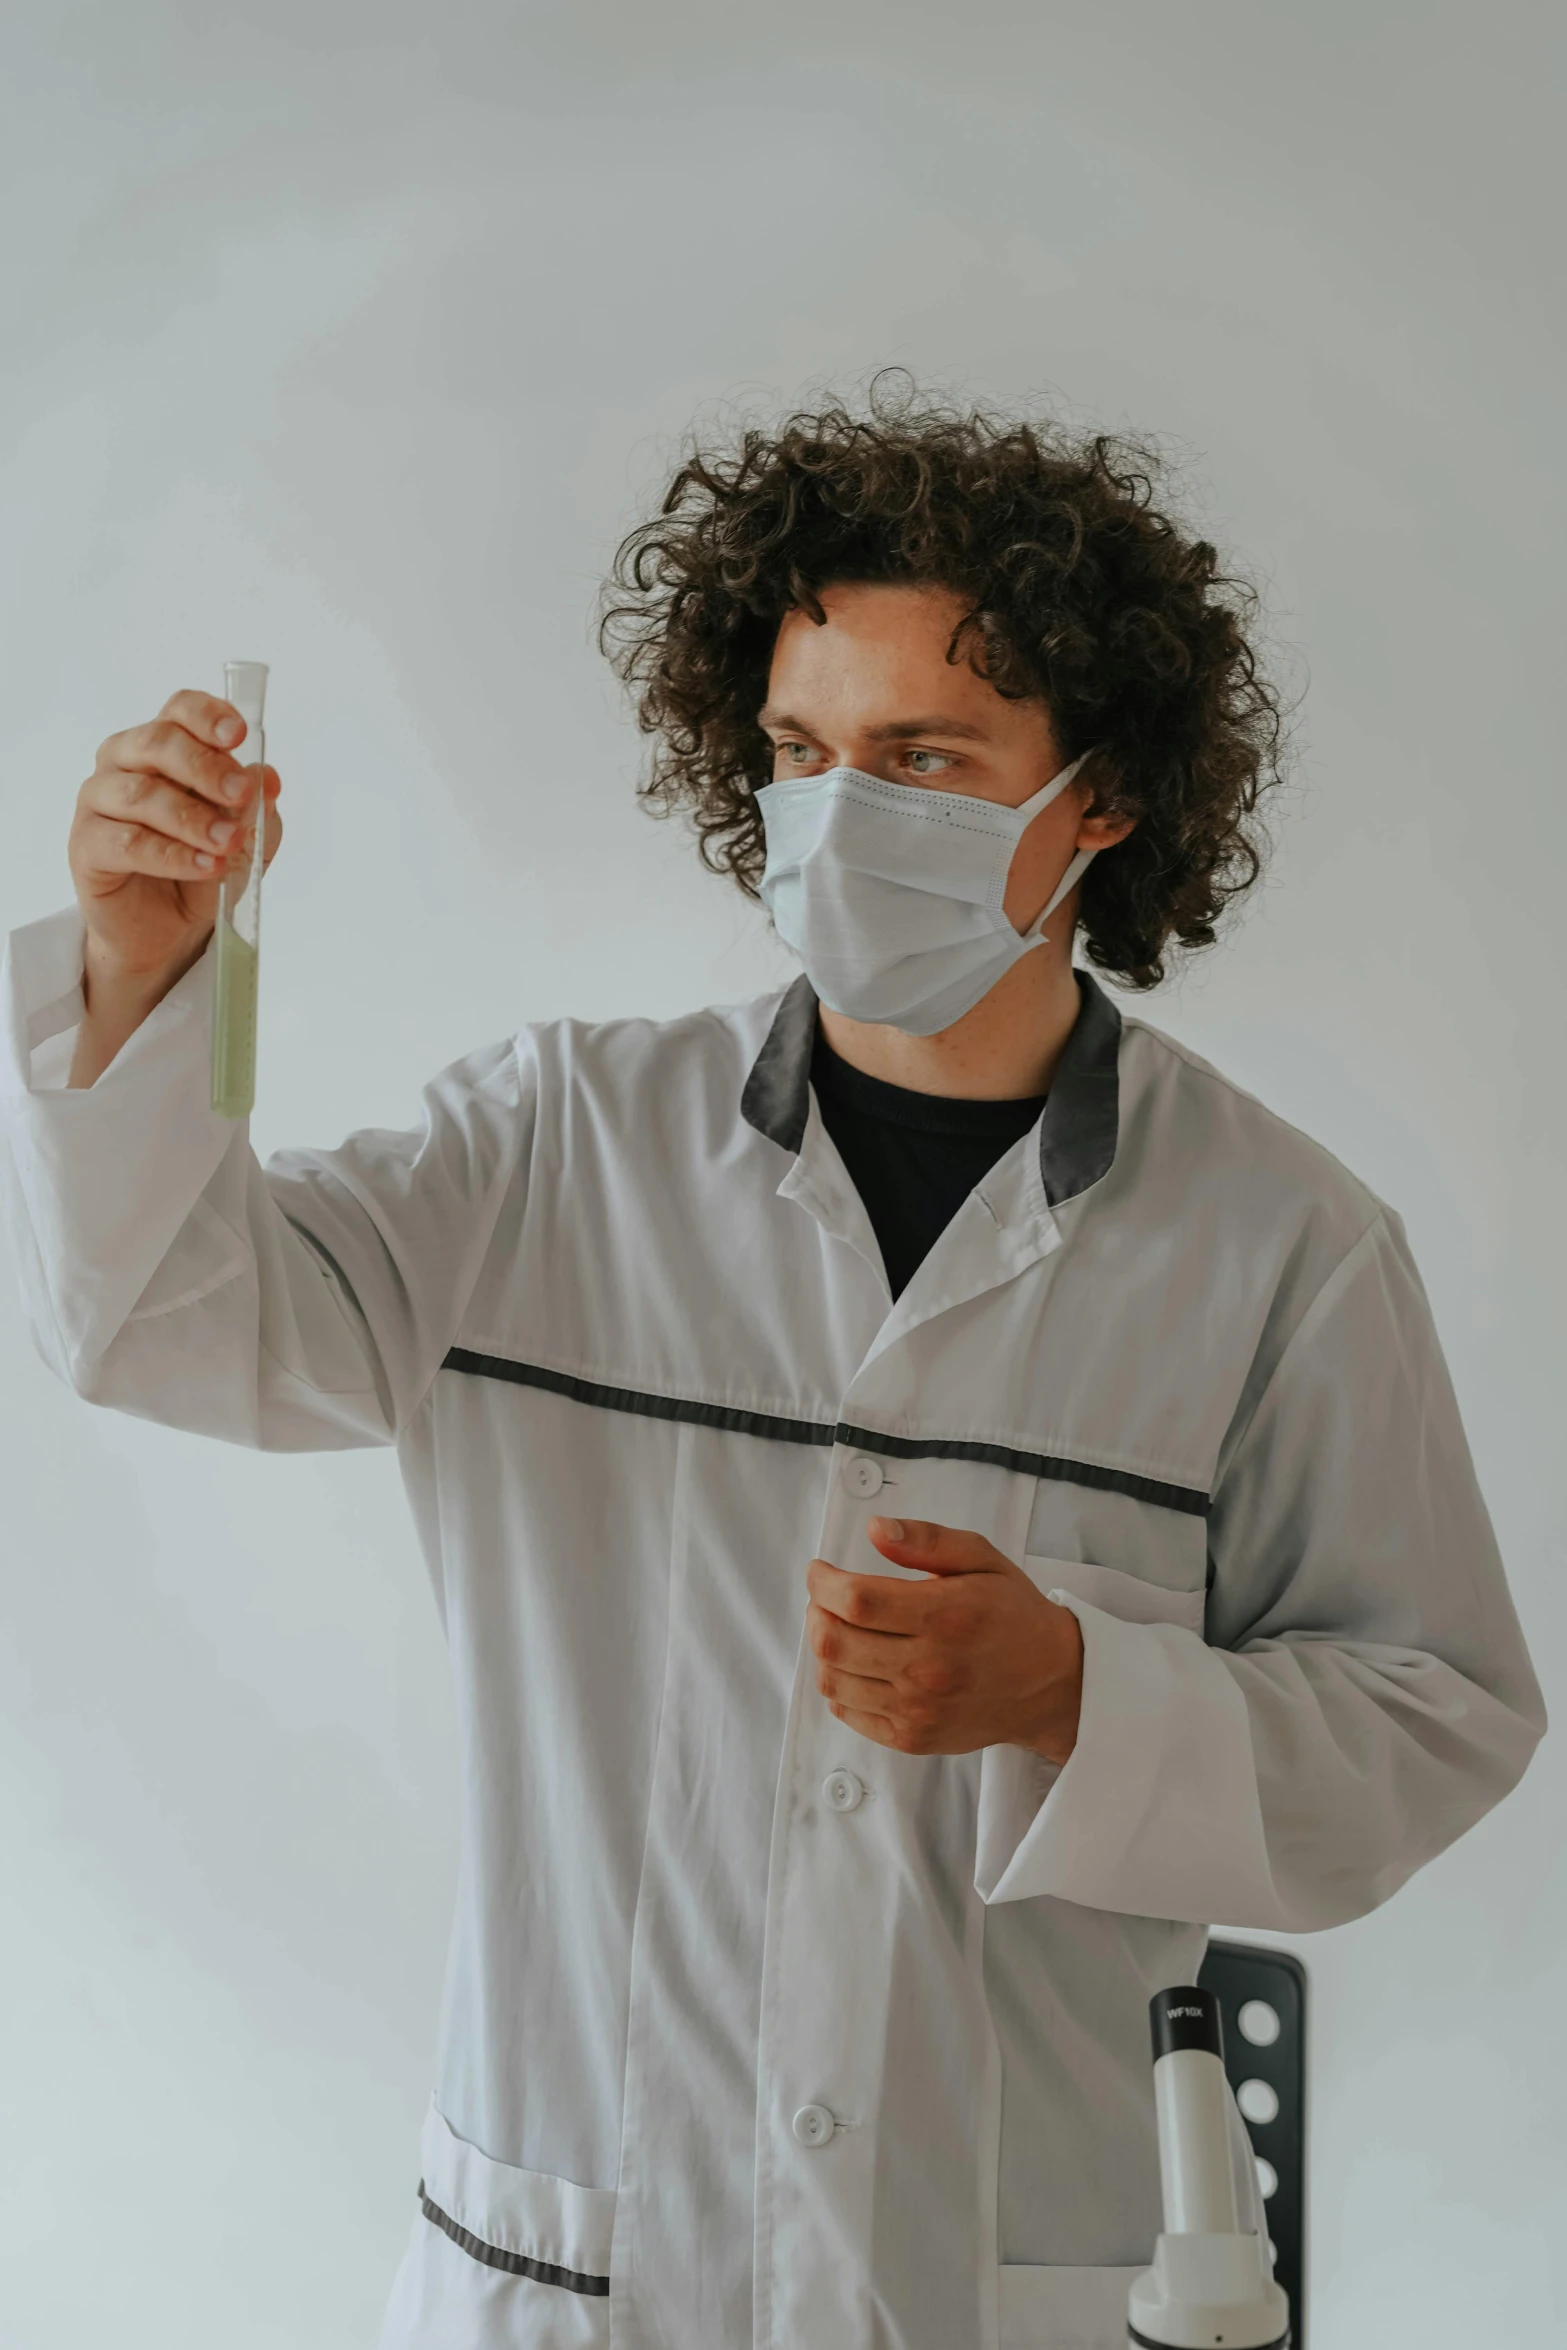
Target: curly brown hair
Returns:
[[1080, 592]]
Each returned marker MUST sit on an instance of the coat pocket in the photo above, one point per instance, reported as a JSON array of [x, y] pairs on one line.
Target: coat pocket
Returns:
[[515, 2259], [1116, 1593], [1065, 2308], [1013, 1784]]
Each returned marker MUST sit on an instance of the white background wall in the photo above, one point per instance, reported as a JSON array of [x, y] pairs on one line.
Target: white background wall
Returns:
[[350, 339]]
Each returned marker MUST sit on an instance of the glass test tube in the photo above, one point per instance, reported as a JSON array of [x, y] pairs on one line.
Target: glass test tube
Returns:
[[238, 927]]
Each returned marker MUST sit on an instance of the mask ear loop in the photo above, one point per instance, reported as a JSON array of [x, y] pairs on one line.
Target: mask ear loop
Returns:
[[1034, 935]]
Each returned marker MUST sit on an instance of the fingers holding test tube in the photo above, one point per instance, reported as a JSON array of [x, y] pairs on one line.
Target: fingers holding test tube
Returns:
[[152, 879], [196, 739], [147, 863], [146, 824], [136, 829]]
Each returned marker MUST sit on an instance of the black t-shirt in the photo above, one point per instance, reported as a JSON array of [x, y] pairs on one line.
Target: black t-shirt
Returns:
[[912, 1157]]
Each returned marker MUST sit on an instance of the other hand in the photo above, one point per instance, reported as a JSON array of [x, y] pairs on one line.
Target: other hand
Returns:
[[974, 1655]]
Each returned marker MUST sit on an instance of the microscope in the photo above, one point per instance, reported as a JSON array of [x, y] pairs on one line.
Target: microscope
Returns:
[[1211, 2286]]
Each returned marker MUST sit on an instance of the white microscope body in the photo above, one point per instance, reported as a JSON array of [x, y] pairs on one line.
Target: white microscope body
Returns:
[[1211, 2284]]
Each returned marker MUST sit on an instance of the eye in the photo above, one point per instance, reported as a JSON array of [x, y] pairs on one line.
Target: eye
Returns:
[[793, 754], [927, 762]]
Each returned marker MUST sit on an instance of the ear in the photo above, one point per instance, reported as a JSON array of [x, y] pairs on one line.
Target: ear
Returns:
[[1103, 832], [1096, 785]]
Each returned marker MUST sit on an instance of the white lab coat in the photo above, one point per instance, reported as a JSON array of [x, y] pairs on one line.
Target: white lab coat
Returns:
[[754, 2032]]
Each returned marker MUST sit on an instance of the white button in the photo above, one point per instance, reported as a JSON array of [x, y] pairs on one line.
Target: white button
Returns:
[[1258, 2101], [863, 1477], [813, 2125], [843, 1790], [1259, 2023]]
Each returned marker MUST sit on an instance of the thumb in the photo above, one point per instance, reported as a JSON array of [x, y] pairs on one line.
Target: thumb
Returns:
[[936, 1550]]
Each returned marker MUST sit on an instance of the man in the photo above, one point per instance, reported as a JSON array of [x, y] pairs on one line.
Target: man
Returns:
[[933, 1495]]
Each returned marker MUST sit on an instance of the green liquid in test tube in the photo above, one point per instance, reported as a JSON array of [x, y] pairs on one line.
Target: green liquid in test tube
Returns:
[[236, 965]]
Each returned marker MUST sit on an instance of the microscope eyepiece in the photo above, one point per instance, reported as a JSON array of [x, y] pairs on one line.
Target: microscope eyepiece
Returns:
[[1186, 2017]]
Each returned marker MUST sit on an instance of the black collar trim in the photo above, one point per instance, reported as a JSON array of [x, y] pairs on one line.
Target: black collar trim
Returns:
[[1077, 1134], [1082, 1122], [777, 1096]]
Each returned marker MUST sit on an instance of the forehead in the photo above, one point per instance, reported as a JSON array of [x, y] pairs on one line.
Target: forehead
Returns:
[[879, 643]]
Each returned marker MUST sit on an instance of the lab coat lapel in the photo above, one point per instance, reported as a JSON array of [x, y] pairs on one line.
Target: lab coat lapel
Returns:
[[779, 1102], [1004, 1226], [818, 1181], [1008, 1223]]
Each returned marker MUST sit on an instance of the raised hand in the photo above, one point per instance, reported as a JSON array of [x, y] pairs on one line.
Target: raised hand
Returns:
[[156, 823]]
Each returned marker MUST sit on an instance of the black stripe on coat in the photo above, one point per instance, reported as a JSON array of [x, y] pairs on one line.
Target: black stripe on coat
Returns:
[[1189, 1499], [515, 2264]]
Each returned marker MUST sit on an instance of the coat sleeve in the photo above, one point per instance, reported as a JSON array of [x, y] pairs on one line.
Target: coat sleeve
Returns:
[[306, 1305], [1363, 1694]]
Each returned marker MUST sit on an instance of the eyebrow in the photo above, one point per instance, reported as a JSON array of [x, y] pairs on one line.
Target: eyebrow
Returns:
[[900, 729]]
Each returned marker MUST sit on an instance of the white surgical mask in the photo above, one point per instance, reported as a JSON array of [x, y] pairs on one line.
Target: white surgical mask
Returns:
[[890, 894]]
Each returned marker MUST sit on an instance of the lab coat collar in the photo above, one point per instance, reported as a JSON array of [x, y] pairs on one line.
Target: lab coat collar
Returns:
[[1077, 1134], [777, 1096], [1082, 1122]]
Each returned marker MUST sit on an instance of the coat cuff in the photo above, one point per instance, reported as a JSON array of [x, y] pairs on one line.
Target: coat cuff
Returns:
[[95, 1246], [1156, 1812]]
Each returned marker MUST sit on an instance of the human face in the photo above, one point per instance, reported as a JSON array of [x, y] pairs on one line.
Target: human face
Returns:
[[873, 689]]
